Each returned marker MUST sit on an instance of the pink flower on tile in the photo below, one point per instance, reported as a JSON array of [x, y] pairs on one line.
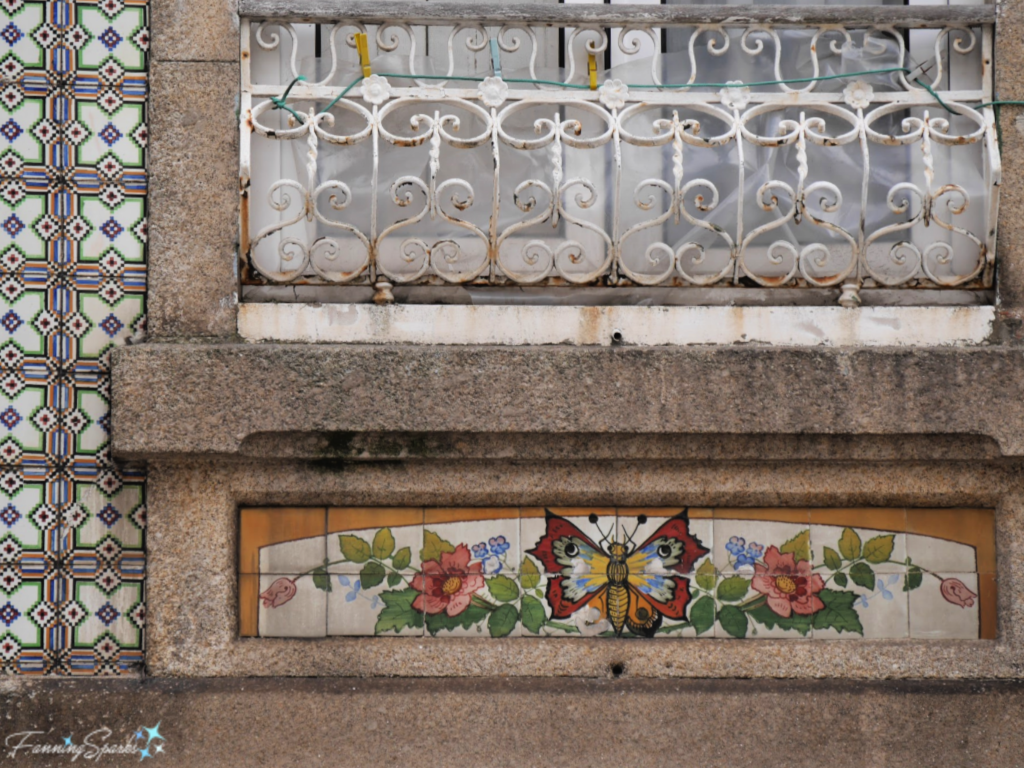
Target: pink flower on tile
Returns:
[[957, 593], [448, 585], [279, 593], [791, 586]]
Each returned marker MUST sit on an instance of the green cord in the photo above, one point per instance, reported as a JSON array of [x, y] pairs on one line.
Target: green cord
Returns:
[[280, 101], [583, 86]]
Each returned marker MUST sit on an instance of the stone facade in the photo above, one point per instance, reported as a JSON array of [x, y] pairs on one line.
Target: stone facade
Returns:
[[220, 422]]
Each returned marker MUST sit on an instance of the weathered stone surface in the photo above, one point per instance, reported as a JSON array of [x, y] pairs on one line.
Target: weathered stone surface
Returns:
[[195, 30], [171, 399], [501, 723], [193, 283], [192, 622]]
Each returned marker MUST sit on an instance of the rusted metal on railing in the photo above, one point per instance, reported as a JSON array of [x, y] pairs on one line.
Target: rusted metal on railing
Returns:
[[513, 254]]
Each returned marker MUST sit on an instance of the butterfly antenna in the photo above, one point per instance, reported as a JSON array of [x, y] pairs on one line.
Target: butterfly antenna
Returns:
[[640, 520], [604, 536]]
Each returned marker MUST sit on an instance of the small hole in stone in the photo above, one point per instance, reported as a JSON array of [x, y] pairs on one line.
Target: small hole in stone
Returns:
[[618, 668]]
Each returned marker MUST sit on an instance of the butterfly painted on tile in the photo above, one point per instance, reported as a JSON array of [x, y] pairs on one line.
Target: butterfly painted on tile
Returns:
[[633, 587]]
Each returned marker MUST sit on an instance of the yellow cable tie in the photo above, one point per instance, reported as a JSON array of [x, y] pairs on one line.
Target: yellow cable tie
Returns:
[[592, 66], [364, 52]]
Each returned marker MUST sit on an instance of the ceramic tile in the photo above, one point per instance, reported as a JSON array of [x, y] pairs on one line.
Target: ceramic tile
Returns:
[[881, 610], [492, 539], [744, 611], [73, 138], [387, 608], [392, 538], [104, 623], [858, 550], [290, 606], [261, 528], [538, 619], [300, 556], [86, 422], [741, 539], [30, 513], [20, 628], [946, 610], [113, 33], [941, 556], [20, 26], [631, 529], [462, 604], [945, 526], [533, 527]]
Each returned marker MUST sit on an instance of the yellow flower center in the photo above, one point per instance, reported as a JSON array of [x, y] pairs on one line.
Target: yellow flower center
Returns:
[[451, 585], [785, 585]]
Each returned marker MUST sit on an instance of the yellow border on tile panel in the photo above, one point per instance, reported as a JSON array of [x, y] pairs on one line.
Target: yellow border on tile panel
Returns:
[[266, 526]]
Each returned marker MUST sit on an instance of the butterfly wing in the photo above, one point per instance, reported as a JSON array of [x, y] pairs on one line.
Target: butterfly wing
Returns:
[[581, 566], [666, 595], [652, 581], [670, 548]]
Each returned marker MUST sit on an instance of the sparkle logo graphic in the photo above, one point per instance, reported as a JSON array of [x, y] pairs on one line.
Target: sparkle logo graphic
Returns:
[[140, 743]]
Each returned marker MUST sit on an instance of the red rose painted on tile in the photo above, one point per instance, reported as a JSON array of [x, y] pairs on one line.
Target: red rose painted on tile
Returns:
[[278, 593], [449, 585], [957, 593], [790, 585]]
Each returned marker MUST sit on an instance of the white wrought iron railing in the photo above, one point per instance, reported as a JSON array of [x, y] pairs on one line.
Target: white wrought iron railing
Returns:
[[523, 153]]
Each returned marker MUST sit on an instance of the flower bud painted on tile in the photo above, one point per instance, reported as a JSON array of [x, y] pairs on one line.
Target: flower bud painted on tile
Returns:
[[957, 593], [279, 593]]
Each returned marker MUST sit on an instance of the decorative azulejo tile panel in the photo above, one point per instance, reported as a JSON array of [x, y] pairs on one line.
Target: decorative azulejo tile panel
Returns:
[[73, 136], [810, 574]]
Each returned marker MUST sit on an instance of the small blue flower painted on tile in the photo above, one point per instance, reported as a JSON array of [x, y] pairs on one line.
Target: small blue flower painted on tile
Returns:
[[736, 545], [499, 545], [491, 565], [480, 550]]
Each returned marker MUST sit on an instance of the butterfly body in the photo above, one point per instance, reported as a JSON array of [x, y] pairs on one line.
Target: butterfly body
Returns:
[[633, 587]]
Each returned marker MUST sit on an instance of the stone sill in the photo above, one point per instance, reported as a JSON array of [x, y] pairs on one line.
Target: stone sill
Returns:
[[203, 400], [606, 325]]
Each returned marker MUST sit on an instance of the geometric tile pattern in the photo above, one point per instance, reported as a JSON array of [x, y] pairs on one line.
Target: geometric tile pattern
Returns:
[[73, 135]]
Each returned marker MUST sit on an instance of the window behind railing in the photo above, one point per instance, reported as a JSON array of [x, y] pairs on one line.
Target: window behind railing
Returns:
[[833, 149]]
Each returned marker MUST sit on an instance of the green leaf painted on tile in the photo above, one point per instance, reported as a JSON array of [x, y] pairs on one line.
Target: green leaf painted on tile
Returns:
[[383, 544], [733, 589], [533, 614], [914, 578], [529, 576], [799, 545], [503, 620], [372, 574], [398, 613], [394, 579], [402, 558], [770, 619], [862, 575], [838, 612], [503, 589], [832, 560], [849, 544], [702, 615], [437, 622], [879, 549], [706, 575], [840, 579], [321, 579], [733, 621], [433, 546], [354, 549]]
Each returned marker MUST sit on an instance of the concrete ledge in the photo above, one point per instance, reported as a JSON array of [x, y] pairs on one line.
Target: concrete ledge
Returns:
[[500, 723], [604, 326], [207, 399]]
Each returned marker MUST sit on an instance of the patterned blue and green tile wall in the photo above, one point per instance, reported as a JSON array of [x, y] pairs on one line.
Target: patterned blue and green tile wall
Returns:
[[73, 135]]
